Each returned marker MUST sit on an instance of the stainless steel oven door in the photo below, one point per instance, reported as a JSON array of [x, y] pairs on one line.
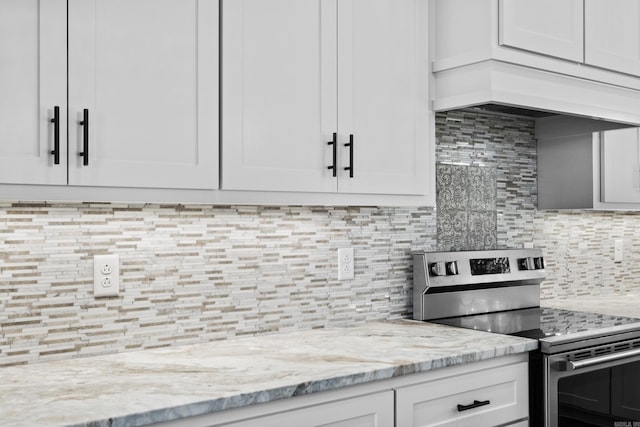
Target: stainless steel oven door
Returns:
[[599, 386]]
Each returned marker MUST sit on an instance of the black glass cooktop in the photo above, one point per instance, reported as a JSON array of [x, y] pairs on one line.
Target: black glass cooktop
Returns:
[[541, 322]]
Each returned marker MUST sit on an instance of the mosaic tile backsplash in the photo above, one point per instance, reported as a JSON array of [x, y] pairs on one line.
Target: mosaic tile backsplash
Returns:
[[578, 247], [200, 273], [196, 273]]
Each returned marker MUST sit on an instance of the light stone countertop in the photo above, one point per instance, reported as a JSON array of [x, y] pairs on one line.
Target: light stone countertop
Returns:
[[137, 388], [627, 305]]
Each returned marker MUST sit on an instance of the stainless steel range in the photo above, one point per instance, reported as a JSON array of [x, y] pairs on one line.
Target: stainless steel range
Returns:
[[587, 369]]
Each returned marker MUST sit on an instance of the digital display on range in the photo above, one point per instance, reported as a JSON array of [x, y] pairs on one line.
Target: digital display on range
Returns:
[[482, 266]]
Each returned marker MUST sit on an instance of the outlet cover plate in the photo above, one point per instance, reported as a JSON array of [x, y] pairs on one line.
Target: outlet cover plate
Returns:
[[617, 250], [106, 276], [345, 264]]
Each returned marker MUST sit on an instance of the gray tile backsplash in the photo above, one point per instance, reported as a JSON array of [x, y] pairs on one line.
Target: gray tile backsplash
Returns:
[[199, 273], [578, 248], [195, 273]]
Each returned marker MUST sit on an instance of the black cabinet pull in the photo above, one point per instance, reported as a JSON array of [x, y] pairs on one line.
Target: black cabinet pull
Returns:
[[334, 142], [85, 136], [475, 404], [350, 145], [56, 135]]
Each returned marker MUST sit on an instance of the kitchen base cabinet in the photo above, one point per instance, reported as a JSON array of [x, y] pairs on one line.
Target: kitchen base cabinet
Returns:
[[331, 409], [489, 397], [488, 393], [375, 410]]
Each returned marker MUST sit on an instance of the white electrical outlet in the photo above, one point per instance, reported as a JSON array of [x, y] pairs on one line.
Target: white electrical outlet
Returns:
[[345, 264], [106, 276], [617, 250]]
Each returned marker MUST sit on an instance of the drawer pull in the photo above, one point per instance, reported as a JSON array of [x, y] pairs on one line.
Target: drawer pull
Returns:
[[475, 404]]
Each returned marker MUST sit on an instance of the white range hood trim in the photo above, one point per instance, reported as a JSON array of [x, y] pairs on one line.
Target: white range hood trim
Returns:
[[497, 82]]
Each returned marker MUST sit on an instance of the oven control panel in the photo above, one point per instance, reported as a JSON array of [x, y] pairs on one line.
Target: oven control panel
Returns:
[[496, 279], [453, 267]]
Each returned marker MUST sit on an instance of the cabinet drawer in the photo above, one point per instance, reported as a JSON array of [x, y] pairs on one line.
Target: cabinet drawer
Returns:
[[435, 403]]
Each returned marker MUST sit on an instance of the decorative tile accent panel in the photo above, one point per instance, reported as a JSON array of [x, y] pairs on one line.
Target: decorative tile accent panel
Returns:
[[506, 145], [195, 273], [466, 201]]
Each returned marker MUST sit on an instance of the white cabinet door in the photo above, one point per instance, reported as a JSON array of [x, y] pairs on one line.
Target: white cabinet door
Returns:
[[382, 96], [278, 94], [375, 410], [366, 410], [620, 174], [147, 72], [612, 36], [549, 27], [33, 80]]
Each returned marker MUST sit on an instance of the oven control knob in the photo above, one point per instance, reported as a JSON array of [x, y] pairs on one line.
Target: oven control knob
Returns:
[[452, 268], [438, 269], [527, 263]]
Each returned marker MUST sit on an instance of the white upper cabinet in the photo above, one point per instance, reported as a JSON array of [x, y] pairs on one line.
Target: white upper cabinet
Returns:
[[548, 27], [612, 39], [297, 71], [279, 108], [33, 76], [382, 96], [531, 54], [145, 74], [141, 79], [601, 33], [620, 174]]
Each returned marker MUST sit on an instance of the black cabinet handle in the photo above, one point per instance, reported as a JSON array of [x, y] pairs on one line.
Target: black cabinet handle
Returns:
[[475, 404], [85, 135], [334, 142], [56, 135], [350, 145]]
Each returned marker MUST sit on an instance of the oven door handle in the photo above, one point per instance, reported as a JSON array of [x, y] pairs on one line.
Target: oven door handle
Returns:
[[570, 365]]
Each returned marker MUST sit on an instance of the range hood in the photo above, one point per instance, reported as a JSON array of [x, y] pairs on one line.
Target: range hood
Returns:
[[504, 88]]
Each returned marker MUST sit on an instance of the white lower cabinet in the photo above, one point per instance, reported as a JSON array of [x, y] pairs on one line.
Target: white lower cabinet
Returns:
[[330, 409], [489, 397], [375, 410], [500, 386]]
